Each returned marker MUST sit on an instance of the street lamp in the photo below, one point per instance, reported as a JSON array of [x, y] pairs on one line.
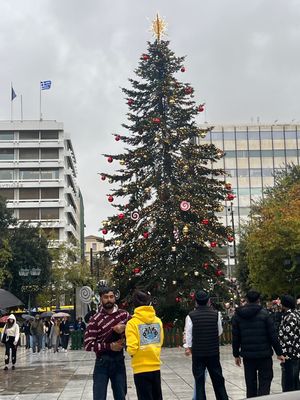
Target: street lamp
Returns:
[[29, 273]]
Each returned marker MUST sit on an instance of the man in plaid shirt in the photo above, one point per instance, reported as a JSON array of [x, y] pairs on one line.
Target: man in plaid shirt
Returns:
[[105, 336], [289, 337]]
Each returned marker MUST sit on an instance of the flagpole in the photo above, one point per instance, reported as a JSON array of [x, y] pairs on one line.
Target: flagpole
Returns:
[[40, 102], [21, 107], [11, 103]]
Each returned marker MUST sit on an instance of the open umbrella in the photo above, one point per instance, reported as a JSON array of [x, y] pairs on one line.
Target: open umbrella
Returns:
[[60, 315], [27, 317], [46, 314], [4, 319], [8, 299]]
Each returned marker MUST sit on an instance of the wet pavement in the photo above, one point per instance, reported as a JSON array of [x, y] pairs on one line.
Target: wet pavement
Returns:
[[66, 376]]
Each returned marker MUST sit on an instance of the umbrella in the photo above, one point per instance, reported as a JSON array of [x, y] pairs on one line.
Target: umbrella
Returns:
[[27, 316], [46, 314], [8, 299], [4, 319], [60, 315]]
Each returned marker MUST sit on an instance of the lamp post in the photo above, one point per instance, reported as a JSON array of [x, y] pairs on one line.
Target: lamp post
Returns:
[[29, 273]]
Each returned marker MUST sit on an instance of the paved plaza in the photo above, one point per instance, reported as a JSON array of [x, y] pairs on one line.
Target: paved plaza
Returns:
[[66, 376]]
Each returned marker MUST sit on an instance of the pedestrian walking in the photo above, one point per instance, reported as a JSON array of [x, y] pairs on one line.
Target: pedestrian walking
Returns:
[[105, 335], [203, 328], [54, 335], [26, 331], [144, 338], [37, 332], [65, 333], [10, 337], [253, 337], [289, 337]]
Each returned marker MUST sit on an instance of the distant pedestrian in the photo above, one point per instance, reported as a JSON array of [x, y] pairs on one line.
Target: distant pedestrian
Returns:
[[253, 336], [26, 331], [10, 337], [289, 337], [37, 332], [105, 336], [203, 328], [54, 334], [65, 333], [144, 338]]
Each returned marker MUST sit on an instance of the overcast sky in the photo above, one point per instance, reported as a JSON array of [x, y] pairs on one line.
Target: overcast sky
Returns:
[[243, 60]]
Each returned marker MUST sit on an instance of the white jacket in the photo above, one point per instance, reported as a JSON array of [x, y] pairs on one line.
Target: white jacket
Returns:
[[13, 331]]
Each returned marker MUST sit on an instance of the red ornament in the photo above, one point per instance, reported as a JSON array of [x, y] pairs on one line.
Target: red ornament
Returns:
[[130, 102], [213, 244], [192, 295], [205, 265], [228, 186], [230, 238], [110, 159], [145, 57], [201, 108], [117, 138], [137, 270], [188, 90], [104, 231], [156, 120], [110, 199], [205, 221], [219, 272], [178, 299], [182, 69], [146, 235], [103, 177], [230, 196], [121, 216]]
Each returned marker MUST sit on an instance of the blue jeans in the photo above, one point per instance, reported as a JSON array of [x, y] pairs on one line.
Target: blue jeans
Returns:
[[111, 368], [37, 342]]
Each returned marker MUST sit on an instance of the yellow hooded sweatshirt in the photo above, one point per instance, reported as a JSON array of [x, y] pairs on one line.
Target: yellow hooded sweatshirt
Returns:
[[144, 338]]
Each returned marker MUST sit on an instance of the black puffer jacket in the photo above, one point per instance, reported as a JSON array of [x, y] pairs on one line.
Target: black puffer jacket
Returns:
[[253, 333]]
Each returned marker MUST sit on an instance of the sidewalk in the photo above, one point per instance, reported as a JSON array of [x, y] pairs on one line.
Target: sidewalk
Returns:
[[66, 376]]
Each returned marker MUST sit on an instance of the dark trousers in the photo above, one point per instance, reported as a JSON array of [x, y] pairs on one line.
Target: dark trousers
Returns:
[[65, 341], [148, 385], [109, 368], [290, 375], [27, 336], [37, 343], [214, 368], [258, 376], [9, 345]]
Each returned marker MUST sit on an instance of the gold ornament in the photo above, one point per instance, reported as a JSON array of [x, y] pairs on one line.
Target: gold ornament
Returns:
[[173, 248], [110, 181], [185, 230], [186, 168], [118, 242], [220, 208], [148, 190], [202, 134], [104, 223], [122, 162], [172, 100], [159, 27], [196, 273]]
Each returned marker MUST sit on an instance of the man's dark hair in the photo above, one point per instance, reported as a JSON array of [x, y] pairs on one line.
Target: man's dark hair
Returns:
[[105, 289], [253, 296], [288, 301], [140, 298]]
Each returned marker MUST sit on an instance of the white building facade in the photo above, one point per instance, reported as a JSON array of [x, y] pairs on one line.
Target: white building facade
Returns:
[[38, 177]]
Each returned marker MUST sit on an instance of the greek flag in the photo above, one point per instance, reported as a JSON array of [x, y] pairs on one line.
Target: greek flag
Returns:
[[45, 85]]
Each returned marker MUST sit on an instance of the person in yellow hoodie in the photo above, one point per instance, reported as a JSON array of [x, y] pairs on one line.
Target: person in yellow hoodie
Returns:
[[144, 338]]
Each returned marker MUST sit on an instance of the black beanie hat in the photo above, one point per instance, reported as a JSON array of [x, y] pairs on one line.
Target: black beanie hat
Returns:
[[288, 301], [202, 297]]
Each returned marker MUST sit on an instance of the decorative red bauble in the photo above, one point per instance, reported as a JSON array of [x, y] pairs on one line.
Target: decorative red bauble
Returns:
[[230, 238], [110, 199], [205, 265], [146, 235], [117, 138], [192, 295], [121, 216], [137, 270], [156, 120], [188, 90], [230, 196], [104, 231], [201, 108], [130, 102], [178, 299], [205, 221], [213, 244], [182, 69], [219, 272], [145, 57], [110, 159], [103, 177], [228, 186]]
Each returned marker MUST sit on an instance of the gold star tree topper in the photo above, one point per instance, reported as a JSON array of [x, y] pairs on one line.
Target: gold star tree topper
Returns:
[[159, 27]]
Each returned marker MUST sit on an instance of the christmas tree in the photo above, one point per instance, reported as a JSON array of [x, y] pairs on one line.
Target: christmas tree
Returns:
[[169, 192]]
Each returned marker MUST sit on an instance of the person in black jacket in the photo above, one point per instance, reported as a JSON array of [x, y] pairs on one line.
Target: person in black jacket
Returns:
[[203, 328], [65, 333], [253, 336]]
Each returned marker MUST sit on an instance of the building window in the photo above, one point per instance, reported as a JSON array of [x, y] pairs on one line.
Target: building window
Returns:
[[241, 135], [279, 153], [28, 154], [216, 135], [29, 174], [29, 135], [29, 194], [6, 174], [49, 135], [49, 213], [278, 135], [6, 135], [49, 173], [267, 135], [29, 213], [6, 154], [94, 246], [49, 193], [49, 154], [7, 194], [51, 233], [290, 135]]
